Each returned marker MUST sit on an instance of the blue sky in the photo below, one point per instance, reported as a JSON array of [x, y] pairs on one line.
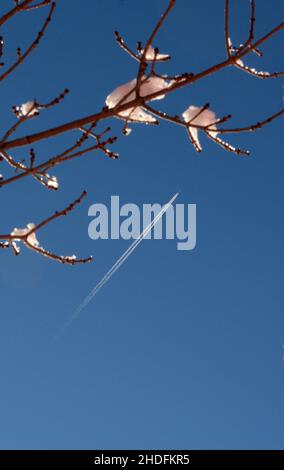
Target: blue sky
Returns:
[[180, 349]]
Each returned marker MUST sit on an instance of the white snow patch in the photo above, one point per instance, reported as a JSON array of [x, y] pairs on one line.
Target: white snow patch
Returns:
[[204, 119], [27, 109], [151, 55], [126, 93]]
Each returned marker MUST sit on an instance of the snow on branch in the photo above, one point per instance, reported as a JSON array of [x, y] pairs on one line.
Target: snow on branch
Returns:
[[131, 102], [28, 236], [40, 171]]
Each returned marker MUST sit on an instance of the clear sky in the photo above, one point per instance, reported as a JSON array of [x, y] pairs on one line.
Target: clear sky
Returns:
[[180, 349]]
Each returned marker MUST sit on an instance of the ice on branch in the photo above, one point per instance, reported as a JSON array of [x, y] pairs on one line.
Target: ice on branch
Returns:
[[22, 232], [127, 92], [152, 55], [203, 118], [27, 109]]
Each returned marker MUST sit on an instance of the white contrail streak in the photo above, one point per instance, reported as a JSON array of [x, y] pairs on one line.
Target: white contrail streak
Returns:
[[117, 264], [126, 254]]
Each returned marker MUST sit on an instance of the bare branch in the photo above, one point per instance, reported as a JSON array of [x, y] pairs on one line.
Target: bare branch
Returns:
[[34, 44], [19, 7], [253, 127], [54, 102], [227, 33], [58, 214], [252, 24], [36, 6], [122, 44]]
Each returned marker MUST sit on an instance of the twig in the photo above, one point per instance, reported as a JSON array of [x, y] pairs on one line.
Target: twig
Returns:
[[53, 102], [253, 127], [225, 145], [14, 11], [107, 113], [41, 169], [122, 44], [58, 214], [143, 62], [32, 46], [25, 238], [252, 24], [227, 33], [44, 3]]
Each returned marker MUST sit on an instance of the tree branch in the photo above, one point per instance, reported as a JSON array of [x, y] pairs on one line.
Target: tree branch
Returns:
[[25, 235], [108, 113], [34, 44], [19, 7]]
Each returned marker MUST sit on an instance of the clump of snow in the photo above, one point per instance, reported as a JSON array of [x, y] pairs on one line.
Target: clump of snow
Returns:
[[138, 115], [27, 109], [195, 115], [4, 244], [16, 248], [126, 93], [151, 55], [263, 74], [127, 130], [240, 62], [22, 232], [71, 258], [52, 182]]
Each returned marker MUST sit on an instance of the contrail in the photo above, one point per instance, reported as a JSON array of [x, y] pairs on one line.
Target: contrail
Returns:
[[117, 265], [125, 255]]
